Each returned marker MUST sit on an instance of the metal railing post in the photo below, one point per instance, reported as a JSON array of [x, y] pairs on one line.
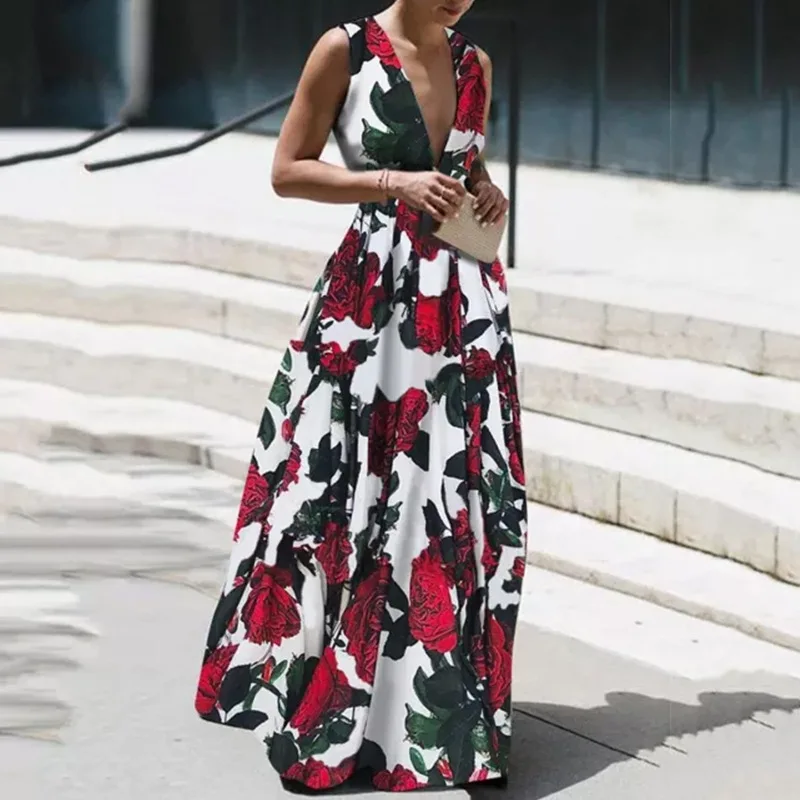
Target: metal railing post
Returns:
[[684, 32], [784, 169], [514, 103], [758, 47], [599, 80], [137, 66], [711, 129]]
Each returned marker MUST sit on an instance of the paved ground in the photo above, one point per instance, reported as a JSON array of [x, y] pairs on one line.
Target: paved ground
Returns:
[[104, 600], [614, 698]]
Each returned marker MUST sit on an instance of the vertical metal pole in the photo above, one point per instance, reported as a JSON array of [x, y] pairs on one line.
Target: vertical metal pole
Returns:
[[136, 39], [684, 42], [711, 129], [514, 103], [599, 80], [241, 51], [786, 137], [758, 47]]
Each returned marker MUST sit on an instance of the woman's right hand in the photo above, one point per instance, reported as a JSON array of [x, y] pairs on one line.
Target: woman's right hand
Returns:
[[433, 192]]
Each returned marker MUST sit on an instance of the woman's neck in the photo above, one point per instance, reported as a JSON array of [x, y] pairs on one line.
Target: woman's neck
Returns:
[[402, 19]]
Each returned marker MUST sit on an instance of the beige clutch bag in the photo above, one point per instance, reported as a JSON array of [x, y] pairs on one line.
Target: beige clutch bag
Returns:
[[465, 233]]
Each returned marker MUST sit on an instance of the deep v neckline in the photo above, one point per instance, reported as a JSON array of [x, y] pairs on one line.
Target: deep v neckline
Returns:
[[450, 34]]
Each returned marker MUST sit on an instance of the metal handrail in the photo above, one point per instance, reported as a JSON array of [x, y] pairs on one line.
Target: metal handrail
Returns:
[[68, 150], [136, 101], [205, 138]]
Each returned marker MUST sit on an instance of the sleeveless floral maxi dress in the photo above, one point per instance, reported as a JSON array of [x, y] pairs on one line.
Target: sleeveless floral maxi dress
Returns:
[[369, 610]]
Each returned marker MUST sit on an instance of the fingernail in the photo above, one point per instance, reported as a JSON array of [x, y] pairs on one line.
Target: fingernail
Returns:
[[484, 224]]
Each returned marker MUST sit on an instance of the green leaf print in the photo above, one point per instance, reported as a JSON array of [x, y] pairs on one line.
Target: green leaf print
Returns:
[[307, 521], [281, 391], [337, 407], [456, 737], [496, 486], [266, 430], [455, 405], [286, 361], [251, 696], [278, 672], [380, 146], [340, 731], [421, 730], [294, 676], [317, 747], [282, 751], [480, 739], [417, 761], [392, 516], [445, 688], [399, 106], [445, 381]]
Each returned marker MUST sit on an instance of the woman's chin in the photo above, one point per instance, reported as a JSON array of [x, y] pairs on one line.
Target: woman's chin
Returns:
[[449, 14]]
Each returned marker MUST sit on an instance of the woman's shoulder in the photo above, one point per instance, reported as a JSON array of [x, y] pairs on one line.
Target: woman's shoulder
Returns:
[[483, 56]]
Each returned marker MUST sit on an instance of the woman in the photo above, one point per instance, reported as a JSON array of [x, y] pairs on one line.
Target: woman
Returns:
[[369, 611]]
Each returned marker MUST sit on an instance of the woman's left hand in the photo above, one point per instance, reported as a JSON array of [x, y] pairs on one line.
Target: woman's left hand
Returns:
[[490, 203]]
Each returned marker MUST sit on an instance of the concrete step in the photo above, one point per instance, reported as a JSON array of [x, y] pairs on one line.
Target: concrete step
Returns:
[[655, 319], [575, 546], [703, 407], [714, 504], [718, 410]]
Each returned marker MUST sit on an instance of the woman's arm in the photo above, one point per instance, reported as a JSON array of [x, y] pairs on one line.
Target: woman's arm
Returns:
[[296, 168], [491, 204]]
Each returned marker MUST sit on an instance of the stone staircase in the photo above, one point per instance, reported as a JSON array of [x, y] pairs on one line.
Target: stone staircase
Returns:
[[661, 427]]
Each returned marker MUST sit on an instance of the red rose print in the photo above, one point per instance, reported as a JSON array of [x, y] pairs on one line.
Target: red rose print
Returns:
[[444, 769], [514, 459], [498, 275], [469, 158], [453, 345], [518, 570], [465, 556], [342, 291], [333, 553], [412, 408], [489, 558], [480, 775], [287, 430], [429, 323], [394, 427], [379, 45], [270, 613], [499, 663], [211, 675], [317, 775], [473, 411], [327, 692], [292, 471], [431, 617], [479, 364], [471, 94], [362, 620], [369, 292], [256, 500], [399, 779], [269, 667], [478, 657], [408, 220], [336, 361]]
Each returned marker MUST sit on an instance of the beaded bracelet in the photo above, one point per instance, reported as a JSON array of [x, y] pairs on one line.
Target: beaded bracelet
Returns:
[[383, 184]]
